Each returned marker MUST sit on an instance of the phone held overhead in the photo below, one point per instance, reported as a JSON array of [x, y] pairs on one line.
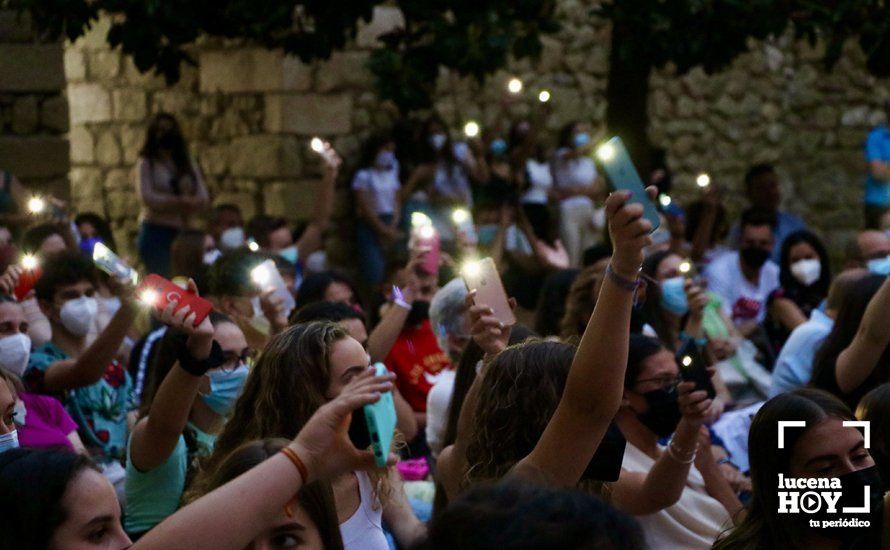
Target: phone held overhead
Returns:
[[623, 176], [483, 277]]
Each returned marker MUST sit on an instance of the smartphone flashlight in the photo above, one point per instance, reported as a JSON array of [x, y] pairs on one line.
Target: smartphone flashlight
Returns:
[[419, 219], [664, 200], [149, 296], [426, 232], [514, 86], [30, 262], [252, 245], [470, 268], [460, 215], [101, 252], [260, 275], [686, 361], [685, 267], [703, 180], [36, 205], [471, 129], [317, 145], [544, 96], [605, 152]]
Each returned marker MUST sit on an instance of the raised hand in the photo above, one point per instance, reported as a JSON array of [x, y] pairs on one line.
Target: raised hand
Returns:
[[694, 404], [629, 232], [10, 279], [489, 334], [323, 444]]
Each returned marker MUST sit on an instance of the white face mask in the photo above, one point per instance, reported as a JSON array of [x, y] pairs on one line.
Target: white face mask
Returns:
[[111, 305], [807, 272], [14, 353], [21, 413], [77, 315], [231, 238], [9, 441], [211, 256]]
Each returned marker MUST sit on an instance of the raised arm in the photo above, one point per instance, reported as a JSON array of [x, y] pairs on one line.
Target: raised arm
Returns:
[[581, 418], [322, 446], [856, 363], [89, 366], [155, 437]]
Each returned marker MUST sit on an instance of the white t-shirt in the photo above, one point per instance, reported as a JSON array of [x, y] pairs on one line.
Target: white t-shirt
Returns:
[[383, 185], [742, 301], [573, 172], [694, 521], [540, 180], [364, 529], [438, 400]]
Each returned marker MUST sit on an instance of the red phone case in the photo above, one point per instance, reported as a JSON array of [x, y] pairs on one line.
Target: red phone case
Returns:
[[168, 292], [27, 280]]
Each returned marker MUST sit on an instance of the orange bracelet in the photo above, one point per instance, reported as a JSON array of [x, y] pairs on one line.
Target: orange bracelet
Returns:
[[292, 456]]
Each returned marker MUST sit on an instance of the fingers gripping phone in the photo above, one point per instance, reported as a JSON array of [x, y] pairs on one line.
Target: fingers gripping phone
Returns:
[[111, 263], [158, 292], [31, 272], [623, 176], [374, 425], [483, 277], [693, 368]]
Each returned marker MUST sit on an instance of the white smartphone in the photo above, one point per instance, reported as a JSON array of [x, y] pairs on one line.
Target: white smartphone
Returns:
[[483, 277]]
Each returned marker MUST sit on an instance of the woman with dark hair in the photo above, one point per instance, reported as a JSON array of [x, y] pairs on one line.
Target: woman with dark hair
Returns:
[[60, 500], [875, 409], [309, 521], [677, 492], [804, 277], [315, 362], [171, 190], [533, 176], [92, 227], [375, 189], [855, 357], [442, 178], [822, 447], [576, 187], [327, 286], [191, 253]]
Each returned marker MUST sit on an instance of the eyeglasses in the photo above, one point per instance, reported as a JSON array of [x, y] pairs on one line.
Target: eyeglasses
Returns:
[[669, 383], [232, 360]]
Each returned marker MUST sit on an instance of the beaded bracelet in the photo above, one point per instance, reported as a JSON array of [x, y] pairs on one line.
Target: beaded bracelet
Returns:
[[292, 456], [626, 284]]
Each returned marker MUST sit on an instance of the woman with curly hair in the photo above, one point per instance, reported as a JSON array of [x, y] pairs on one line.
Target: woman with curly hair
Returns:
[[300, 370]]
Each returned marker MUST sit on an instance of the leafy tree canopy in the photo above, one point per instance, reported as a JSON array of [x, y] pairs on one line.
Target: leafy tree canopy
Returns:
[[472, 37]]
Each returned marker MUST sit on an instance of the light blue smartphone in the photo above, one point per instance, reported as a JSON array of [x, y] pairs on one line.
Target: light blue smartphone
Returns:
[[381, 419], [623, 176]]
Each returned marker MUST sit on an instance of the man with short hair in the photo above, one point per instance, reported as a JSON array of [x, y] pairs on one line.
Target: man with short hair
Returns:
[[227, 226], [96, 388], [744, 279], [794, 366], [868, 245], [764, 193]]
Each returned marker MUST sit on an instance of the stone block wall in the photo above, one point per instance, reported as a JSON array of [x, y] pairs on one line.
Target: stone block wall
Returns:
[[33, 109]]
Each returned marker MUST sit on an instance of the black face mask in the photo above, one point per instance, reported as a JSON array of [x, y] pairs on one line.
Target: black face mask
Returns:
[[664, 412], [420, 312], [754, 257], [852, 488]]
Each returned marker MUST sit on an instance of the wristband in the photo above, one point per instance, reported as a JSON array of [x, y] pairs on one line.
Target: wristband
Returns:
[[193, 366], [617, 279], [398, 298], [674, 453], [295, 460]]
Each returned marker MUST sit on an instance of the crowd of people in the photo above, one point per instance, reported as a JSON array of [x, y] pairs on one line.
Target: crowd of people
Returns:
[[657, 382]]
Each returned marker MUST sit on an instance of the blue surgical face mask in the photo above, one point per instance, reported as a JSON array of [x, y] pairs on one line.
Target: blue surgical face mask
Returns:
[[385, 159], [225, 387], [437, 140], [498, 147], [290, 254], [879, 266], [581, 139], [487, 233], [9, 441], [673, 296]]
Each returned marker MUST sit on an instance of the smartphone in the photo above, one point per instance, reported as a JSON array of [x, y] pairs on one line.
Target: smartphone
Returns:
[[425, 237], [606, 462], [483, 277], [693, 368], [111, 263], [157, 292], [267, 277], [623, 176], [375, 424], [31, 272]]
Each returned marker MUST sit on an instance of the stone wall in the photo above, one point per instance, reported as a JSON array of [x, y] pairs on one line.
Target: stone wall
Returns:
[[249, 114], [33, 110]]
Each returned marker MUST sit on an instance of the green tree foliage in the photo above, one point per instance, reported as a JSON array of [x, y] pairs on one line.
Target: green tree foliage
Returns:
[[472, 37]]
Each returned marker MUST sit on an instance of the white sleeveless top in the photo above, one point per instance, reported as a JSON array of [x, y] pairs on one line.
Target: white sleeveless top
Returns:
[[364, 529], [694, 521]]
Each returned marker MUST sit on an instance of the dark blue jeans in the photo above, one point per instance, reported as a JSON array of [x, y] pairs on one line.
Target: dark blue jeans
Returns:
[[154, 247], [371, 252]]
